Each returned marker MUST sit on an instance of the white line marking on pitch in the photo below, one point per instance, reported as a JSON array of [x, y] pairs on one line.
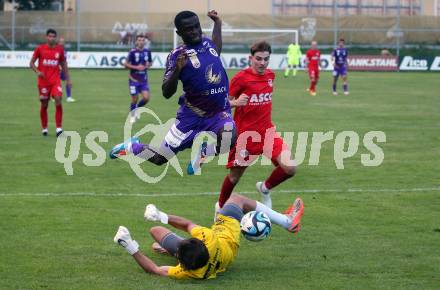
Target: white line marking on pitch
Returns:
[[85, 194]]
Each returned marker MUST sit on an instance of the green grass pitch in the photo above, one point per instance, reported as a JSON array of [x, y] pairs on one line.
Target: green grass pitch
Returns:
[[363, 228]]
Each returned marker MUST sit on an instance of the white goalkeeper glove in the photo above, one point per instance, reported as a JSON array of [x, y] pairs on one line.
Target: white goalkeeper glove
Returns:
[[155, 215], [123, 238]]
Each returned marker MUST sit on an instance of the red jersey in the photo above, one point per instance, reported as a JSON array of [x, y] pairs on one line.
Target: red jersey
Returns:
[[49, 59], [256, 115], [313, 56]]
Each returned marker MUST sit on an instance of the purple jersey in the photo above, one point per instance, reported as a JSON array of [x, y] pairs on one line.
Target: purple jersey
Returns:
[[137, 57], [340, 55], [205, 82]]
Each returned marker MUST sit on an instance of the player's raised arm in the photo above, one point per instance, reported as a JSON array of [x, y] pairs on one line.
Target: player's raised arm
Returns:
[[171, 78], [153, 214], [217, 31], [123, 238]]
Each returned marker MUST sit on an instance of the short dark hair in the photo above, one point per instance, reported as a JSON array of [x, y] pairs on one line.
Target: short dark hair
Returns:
[[183, 15], [341, 39], [192, 254], [51, 31], [140, 35], [260, 46]]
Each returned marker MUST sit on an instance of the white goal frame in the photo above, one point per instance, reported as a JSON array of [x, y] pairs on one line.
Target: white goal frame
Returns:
[[294, 32]]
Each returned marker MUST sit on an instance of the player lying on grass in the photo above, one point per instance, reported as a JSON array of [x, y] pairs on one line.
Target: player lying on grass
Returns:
[[204, 106], [251, 92], [209, 250]]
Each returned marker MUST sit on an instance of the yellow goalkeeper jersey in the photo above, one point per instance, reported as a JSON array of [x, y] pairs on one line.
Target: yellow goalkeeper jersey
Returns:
[[294, 51], [222, 241]]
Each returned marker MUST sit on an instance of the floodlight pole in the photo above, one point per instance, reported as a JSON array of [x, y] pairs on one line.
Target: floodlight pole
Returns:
[[13, 26], [335, 22], [398, 32], [78, 25], [436, 8]]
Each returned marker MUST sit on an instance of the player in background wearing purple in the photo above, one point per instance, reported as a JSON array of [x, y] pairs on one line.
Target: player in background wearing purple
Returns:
[[204, 105], [340, 64], [63, 77], [138, 61]]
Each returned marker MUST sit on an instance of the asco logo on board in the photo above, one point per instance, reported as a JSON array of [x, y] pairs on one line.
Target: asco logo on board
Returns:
[[410, 63]]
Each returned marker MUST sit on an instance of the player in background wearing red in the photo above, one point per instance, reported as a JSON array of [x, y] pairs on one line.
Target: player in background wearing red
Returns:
[[50, 57], [313, 57], [251, 93]]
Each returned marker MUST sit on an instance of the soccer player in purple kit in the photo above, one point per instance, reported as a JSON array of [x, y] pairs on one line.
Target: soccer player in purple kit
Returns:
[[339, 57], [204, 105], [138, 61], [68, 85]]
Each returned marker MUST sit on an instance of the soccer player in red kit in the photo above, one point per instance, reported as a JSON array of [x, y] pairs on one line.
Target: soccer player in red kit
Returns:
[[251, 93], [50, 57], [313, 57]]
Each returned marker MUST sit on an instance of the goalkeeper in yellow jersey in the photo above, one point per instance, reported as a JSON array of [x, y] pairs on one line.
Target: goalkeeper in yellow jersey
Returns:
[[293, 58], [208, 251]]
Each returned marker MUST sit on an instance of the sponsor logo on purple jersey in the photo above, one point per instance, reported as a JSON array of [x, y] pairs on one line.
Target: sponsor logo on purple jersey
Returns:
[[204, 79], [139, 57]]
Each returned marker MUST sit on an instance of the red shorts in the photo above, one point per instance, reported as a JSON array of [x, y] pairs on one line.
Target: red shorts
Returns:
[[245, 153], [314, 73], [47, 91]]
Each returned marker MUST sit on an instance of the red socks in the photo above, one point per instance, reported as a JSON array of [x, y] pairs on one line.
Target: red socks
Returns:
[[226, 191], [43, 116], [58, 116], [278, 175], [313, 86]]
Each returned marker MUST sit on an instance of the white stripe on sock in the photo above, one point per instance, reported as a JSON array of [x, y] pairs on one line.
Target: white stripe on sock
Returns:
[[274, 216]]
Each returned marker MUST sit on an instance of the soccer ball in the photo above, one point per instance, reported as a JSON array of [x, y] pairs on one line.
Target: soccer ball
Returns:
[[255, 226]]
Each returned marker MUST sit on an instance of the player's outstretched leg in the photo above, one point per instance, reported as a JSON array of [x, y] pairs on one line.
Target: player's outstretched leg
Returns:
[[285, 170], [43, 116], [195, 164], [229, 183], [286, 71], [69, 98], [335, 81], [58, 116], [166, 242], [345, 86], [144, 100], [312, 88], [226, 138], [294, 70], [290, 221], [123, 149], [295, 213], [133, 106], [143, 151]]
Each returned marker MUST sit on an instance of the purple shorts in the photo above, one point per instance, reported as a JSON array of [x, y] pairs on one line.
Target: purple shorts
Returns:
[[62, 76], [188, 125], [340, 71], [136, 88]]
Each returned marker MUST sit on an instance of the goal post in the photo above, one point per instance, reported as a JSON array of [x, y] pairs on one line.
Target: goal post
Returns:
[[244, 36]]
